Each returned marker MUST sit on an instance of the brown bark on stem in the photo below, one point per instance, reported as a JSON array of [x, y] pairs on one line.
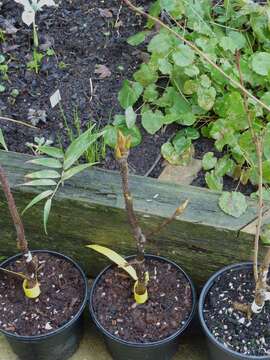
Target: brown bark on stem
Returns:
[[136, 230], [21, 240]]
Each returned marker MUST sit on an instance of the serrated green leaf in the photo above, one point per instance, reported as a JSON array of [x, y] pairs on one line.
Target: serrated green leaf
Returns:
[[137, 39], [146, 75], [37, 199], [44, 174], [224, 166], [233, 203], [40, 182], [2, 141], [48, 162], [47, 209], [152, 121], [78, 147], [130, 117], [183, 56], [129, 93], [75, 170], [206, 97], [261, 63], [150, 93], [52, 151], [213, 181], [209, 161], [160, 44], [165, 67]]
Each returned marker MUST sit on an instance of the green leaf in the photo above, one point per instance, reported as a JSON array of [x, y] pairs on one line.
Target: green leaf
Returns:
[[187, 119], [152, 121], [209, 161], [165, 67], [213, 181], [150, 93], [130, 117], [110, 135], [37, 199], [190, 87], [116, 258], [47, 209], [49, 162], [265, 235], [129, 93], [233, 203], [183, 56], [75, 170], [206, 97], [146, 75], [52, 151], [137, 38], [224, 166], [79, 146], [2, 140], [261, 63], [175, 7], [44, 174], [192, 70], [170, 154], [160, 44], [40, 182]]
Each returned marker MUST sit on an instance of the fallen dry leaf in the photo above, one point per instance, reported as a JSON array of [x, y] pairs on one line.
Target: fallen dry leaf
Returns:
[[105, 13], [103, 71]]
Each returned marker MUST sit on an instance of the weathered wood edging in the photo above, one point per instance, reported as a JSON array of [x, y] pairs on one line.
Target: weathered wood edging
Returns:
[[90, 209]]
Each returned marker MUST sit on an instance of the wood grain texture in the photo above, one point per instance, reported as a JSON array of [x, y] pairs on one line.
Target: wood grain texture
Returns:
[[90, 209]]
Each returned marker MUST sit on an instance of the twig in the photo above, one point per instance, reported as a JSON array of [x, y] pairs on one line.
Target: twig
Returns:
[[199, 52], [148, 172], [166, 222], [22, 242], [259, 150], [17, 122]]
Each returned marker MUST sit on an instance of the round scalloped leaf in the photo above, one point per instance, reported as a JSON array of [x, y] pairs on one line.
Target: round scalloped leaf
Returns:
[[233, 203]]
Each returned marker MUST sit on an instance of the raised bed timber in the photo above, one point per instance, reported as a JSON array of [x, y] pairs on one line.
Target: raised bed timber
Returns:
[[90, 209]]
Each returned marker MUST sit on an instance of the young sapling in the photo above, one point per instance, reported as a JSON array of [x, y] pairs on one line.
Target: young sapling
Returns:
[[142, 277], [30, 283]]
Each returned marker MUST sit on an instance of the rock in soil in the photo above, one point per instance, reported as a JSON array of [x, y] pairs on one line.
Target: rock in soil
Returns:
[[167, 309], [230, 327], [62, 293]]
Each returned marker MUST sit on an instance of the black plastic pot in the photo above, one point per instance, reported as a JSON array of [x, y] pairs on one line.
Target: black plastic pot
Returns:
[[159, 350], [218, 351], [59, 344]]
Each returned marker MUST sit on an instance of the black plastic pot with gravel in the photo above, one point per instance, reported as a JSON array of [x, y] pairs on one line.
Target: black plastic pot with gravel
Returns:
[[231, 333]]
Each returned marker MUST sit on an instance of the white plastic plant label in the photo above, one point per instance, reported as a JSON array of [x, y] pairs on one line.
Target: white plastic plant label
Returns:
[[55, 98]]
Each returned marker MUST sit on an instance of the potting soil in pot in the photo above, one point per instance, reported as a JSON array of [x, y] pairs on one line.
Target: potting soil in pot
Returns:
[[167, 309], [230, 327], [62, 293]]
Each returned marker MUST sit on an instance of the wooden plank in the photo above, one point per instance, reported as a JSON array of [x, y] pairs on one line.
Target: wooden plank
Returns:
[[90, 209]]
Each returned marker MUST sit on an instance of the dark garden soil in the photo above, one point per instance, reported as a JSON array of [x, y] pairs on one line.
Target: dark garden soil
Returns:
[[62, 293], [84, 35], [167, 310], [231, 327]]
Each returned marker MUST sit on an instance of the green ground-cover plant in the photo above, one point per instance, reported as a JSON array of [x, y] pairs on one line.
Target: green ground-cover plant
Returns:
[[180, 85], [247, 73]]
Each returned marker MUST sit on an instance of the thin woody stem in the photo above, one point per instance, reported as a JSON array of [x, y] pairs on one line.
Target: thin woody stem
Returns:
[[198, 51], [168, 221], [137, 231], [258, 144], [22, 242]]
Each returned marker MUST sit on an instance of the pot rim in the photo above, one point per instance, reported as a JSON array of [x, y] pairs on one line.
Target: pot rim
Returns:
[[71, 321], [208, 333], [148, 344]]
